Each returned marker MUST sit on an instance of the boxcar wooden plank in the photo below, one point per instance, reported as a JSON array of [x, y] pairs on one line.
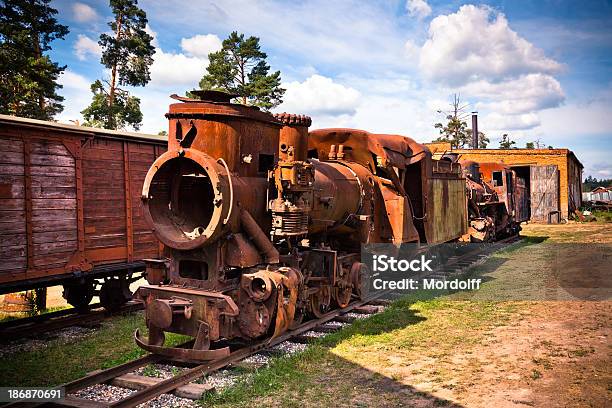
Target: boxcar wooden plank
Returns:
[[53, 181], [54, 225], [11, 252], [8, 226], [14, 265], [56, 214], [12, 203], [106, 241], [51, 259], [105, 165], [12, 239], [52, 171], [48, 161], [58, 246], [12, 170], [50, 148], [46, 204], [53, 192], [55, 236], [10, 145], [11, 191], [105, 144], [142, 148], [11, 157], [15, 215]]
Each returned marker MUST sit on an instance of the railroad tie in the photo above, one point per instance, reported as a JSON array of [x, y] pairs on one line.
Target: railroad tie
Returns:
[[138, 382]]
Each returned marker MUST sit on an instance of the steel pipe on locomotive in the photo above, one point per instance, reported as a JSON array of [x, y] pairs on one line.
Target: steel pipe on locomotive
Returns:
[[263, 221]]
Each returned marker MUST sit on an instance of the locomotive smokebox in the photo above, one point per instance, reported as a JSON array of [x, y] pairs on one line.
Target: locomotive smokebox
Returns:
[[187, 197]]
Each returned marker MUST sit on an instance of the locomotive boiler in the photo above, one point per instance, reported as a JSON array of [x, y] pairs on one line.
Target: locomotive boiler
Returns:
[[262, 221]]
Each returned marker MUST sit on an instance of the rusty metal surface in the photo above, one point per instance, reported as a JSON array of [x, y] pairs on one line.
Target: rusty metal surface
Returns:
[[397, 150]]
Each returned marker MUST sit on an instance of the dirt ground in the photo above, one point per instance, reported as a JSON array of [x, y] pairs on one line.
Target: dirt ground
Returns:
[[548, 354]]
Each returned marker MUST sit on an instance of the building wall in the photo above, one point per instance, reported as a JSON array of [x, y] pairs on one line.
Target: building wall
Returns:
[[570, 169]]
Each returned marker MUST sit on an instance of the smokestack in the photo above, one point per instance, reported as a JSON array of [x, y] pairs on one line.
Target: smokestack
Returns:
[[474, 130]]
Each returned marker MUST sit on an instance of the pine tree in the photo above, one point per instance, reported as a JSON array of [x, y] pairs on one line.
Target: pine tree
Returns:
[[505, 142], [28, 77], [128, 54], [240, 68], [456, 131], [125, 109]]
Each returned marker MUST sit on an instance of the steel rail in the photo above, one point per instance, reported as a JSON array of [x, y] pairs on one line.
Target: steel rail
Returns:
[[240, 354], [35, 325]]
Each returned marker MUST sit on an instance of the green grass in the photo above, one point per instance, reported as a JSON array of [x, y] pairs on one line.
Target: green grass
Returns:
[[603, 216], [406, 325], [62, 361], [8, 317]]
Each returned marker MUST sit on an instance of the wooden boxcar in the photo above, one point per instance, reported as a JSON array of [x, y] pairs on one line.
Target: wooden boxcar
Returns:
[[70, 208]]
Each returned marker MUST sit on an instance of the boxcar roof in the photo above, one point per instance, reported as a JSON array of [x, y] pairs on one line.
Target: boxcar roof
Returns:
[[84, 130]]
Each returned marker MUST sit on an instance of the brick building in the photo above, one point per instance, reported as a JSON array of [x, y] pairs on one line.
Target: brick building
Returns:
[[553, 176]]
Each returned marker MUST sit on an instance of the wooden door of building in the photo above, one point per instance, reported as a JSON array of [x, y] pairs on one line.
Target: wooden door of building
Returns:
[[544, 193]]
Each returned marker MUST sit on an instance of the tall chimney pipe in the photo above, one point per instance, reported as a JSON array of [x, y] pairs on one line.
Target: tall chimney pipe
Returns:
[[474, 130]]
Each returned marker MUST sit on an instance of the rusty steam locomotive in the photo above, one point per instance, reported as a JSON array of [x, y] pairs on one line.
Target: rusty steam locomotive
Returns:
[[262, 221]]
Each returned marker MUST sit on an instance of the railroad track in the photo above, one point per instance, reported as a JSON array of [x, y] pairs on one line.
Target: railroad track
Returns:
[[182, 384], [149, 389], [37, 325]]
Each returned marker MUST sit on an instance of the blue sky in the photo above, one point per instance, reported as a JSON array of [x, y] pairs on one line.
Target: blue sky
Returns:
[[537, 70]]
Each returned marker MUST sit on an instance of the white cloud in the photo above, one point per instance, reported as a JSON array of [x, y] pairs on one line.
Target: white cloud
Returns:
[[201, 45], [319, 95], [85, 47], [413, 51], [527, 93], [495, 122], [77, 94], [84, 13], [72, 80], [184, 69], [177, 70], [153, 34], [476, 43], [418, 8]]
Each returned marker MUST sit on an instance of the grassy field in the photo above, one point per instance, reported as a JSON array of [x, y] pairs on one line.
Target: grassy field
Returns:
[[505, 345]]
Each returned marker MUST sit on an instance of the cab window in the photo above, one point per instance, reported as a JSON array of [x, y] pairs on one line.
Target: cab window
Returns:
[[498, 179]]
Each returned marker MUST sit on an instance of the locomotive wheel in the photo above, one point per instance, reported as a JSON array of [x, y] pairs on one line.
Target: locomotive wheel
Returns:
[[342, 296], [297, 319], [360, 278], [114, 294], [79, 294], [320, 302]]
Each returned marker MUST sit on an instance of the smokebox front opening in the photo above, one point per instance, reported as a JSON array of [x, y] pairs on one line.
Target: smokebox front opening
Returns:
[[181, 200]]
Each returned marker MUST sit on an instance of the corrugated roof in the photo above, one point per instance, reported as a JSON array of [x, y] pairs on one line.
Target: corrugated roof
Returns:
[[16, 120]]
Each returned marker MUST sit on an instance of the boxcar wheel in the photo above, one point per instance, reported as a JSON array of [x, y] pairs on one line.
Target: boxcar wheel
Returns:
[[114, 294], [79, 294]]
